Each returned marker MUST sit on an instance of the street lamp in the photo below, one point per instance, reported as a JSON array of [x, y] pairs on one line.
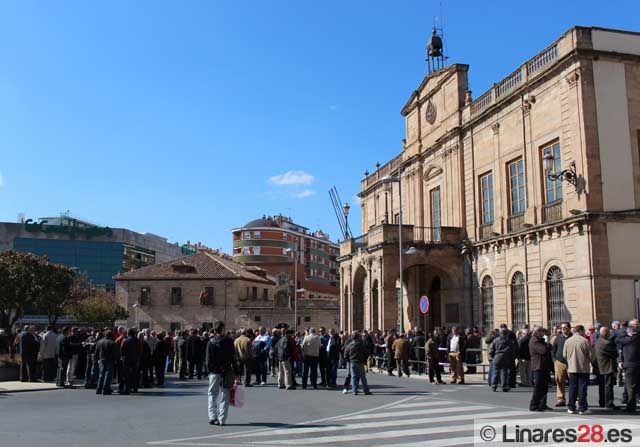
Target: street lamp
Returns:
[[345, 211], [569, 175], [295, 282], [388, 179]]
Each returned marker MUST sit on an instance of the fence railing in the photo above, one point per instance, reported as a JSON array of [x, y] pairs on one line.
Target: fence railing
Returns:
[[486, 231], [552, 211], [515, 222]]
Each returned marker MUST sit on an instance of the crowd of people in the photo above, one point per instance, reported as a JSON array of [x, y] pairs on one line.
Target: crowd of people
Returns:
[[134, 359]]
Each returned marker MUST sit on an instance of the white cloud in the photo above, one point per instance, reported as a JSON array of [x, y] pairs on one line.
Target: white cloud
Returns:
[[305, 193], [356, 200], [333, 107], [292, 178]]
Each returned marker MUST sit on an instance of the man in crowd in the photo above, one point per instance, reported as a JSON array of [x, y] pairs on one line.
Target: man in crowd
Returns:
[[323, 360], [333, 350], [221, 366], [456, 346], [433, 357], [107, 354], [630, 345], [286, 352], [29, 347], [606, 354], [524, 358], [388, 355], [401, 354], [64, 354], [419, 342], [311, 346], [244, 353], [261, 347], [502, 351], [194, 354], [91, 366], [577, 352], [357, 356], [541, 364], [130, 352], [48, 352], [560, 363]]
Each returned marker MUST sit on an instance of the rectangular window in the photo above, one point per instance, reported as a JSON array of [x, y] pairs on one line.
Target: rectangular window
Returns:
[[175, 326], [265, 294], [256, 235], [145, 296], [176, 296], [143, 325], [256, 251], [435, 213], [257, 318], [284, 236], [208, 296], [552, 188], [486, 197], [246, 235], [307, 319], [517, 202], [246, 251], [254, 293]]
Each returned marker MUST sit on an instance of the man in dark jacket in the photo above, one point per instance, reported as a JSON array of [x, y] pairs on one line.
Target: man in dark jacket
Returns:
[[130, 351], [107, 354], [323, 360], [502, 351], [524, 358], [286, 352], [64, 354], [29, 347], [222, 367], [163, 348], [357, 355], [541, 364], [607, 360], [333, 350], [194, 354], [560, 363], [630, 345]]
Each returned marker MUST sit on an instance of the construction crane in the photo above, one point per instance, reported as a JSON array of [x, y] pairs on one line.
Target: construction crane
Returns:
[[342, 212]]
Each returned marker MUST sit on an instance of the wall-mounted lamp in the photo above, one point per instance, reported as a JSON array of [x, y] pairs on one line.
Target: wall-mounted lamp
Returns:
[[569, 175]]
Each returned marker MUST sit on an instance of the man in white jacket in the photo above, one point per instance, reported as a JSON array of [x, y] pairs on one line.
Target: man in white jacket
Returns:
[[48, 353], [311, 352]]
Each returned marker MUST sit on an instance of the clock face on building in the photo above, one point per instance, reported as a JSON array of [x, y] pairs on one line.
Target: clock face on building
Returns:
[[430, 113]]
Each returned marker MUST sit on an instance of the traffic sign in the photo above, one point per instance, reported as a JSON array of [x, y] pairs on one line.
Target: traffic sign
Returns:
[[424, 304]]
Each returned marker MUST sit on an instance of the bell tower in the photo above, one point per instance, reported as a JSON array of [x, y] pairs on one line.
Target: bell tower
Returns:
[[435, 51]]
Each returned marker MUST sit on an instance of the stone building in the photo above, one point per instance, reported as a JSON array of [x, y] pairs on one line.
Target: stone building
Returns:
[[519, 206], [196, 290]]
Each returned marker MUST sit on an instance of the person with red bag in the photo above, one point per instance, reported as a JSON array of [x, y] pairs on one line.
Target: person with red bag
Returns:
[[223, 369]]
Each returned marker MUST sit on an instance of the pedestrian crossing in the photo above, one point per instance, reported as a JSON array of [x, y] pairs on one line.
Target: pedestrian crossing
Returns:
[[415, 422]]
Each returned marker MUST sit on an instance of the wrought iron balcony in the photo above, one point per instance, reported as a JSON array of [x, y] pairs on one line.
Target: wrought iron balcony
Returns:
[[552, 212]]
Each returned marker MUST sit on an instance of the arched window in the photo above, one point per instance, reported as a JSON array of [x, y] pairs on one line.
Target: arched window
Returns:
[[486, 294], [556, 309], [518, 301]]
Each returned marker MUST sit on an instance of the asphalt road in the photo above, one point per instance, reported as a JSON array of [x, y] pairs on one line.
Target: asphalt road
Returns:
[[401, 412]]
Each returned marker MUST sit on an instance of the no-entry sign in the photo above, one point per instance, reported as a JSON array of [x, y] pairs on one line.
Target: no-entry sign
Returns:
[[424, 304]]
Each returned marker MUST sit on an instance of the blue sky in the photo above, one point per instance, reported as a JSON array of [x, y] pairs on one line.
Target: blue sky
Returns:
[[187, 119]]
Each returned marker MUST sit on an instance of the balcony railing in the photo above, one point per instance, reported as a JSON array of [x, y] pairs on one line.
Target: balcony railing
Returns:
[[552, 211], [515, 222], [486, 230], [360, 242], [427, 234]]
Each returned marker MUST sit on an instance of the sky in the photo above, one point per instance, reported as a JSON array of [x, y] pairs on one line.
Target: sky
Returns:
[[188, 119]]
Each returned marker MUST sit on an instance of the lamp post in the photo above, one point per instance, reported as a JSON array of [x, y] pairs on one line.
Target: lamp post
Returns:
[[296, 261], [345, 211], [136, 306], [388, 179]]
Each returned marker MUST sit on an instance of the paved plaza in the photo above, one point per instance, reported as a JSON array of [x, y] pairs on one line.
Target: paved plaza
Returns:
[[401, 412]]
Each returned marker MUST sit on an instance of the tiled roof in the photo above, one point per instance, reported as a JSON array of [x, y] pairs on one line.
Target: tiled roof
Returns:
[[202, 265]]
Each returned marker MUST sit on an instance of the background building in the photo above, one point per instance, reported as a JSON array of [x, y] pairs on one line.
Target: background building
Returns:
[[271, 242], [99, 252], [196, 290], [523, 204]]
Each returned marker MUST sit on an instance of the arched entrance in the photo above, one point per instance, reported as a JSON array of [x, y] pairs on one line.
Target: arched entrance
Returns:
[[424, 280], [357, 308]]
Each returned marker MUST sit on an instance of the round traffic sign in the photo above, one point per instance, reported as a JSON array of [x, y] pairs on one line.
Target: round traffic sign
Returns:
[[424, 304]]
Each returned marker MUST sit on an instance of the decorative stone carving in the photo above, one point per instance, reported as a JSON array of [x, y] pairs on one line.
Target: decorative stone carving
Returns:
[[496, 128], [572, 78]]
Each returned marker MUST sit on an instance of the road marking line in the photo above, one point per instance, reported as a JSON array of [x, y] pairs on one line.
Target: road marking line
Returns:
[[386, 415], [266, 430], [379, 424], [445, 442], [433, 403]]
